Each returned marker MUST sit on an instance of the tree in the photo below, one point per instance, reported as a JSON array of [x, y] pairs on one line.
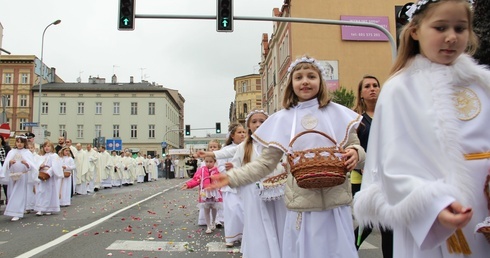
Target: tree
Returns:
[[343, 97], [482, 29]]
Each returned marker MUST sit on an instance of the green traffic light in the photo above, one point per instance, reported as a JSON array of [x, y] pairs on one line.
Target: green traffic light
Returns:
[[224, 22], [126, 21]]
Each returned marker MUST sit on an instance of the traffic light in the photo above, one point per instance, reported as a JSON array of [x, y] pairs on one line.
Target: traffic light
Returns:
[[126, 14], [218, 127], [187, 130], [224, 13]]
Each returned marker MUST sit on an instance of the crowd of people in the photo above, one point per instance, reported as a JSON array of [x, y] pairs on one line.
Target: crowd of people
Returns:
[[43, 178]]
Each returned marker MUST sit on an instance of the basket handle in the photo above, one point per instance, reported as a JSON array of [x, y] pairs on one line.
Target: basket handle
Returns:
[[311, 131]]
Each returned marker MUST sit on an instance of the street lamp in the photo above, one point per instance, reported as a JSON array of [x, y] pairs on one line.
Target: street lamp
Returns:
[[42, 71]]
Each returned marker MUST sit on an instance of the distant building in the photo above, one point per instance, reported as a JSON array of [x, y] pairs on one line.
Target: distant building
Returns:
[[349, 52], [18, 74], [248, 96], [201, 143], [140, 114]]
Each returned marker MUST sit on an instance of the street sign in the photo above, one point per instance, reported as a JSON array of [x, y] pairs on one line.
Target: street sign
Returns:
[[113, 144], [5, 131], [30, 124], [164, 144]]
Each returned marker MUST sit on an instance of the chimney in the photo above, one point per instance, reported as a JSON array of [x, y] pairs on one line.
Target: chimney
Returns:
[[131, 79], [114, 79]]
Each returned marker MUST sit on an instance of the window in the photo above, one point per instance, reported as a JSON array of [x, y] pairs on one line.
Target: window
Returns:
[[134, 108], [244, 86], [81, 108], [151, 108], [98, 108], [44, 109], [98, 130], [24, 78], [151, 131], [21, 126], [23, 100], [62, 108], [7, 78], [245, 109], [62, 129], [116, 108], [6, 98], [115, 130], [79, 131], [134, 131]]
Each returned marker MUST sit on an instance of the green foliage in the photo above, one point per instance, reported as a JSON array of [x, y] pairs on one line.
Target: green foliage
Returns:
[[482, 29], [343, 96]]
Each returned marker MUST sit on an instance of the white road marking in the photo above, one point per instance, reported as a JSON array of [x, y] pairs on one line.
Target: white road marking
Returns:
[[148, 246], [70, 234]]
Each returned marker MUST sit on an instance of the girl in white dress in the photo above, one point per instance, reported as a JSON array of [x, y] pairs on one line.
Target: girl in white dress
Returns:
[[264, 209], [16, 172], [429, 145], [47, 191], [33, 179], [68, 165], [318, 221]]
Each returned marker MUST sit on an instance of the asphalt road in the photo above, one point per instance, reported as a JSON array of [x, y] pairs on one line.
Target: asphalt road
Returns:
[[154, 219]]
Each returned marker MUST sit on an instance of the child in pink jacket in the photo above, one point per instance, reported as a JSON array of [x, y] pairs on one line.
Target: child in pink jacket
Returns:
[[209, 200]]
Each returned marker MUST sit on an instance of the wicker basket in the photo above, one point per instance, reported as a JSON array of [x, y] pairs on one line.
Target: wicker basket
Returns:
[[66, 173], [322, 168], [16, 175], [43, 176], [486, 232]]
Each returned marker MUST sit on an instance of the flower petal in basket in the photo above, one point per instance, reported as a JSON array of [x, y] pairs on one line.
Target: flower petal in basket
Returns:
[[484, 228]]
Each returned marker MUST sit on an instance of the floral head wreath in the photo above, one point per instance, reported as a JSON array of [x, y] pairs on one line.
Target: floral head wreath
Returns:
[[310, 60], [420, 6], [253, 112]]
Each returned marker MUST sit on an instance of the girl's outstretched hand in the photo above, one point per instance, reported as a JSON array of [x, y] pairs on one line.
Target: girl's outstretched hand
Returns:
[[184, 187], [218, 181], [200, 154], [455, 216]]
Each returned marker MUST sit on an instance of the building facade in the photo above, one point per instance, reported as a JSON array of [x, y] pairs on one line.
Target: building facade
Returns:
[[248, 96], [140, 115], [349, 52], [18, 75]]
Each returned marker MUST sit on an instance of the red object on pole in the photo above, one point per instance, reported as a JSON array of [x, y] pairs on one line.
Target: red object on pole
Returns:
[[5, 131]]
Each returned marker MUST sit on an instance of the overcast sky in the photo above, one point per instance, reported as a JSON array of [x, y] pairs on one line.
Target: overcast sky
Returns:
[[187, 55]]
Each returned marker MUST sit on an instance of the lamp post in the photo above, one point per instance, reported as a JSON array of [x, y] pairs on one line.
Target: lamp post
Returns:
[[42, 72]]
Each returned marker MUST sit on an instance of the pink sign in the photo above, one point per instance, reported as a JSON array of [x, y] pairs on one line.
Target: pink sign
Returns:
[[364, 33]]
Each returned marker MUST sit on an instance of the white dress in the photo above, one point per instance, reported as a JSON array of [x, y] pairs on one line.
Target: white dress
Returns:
[[261, 218], [427, 118], [47, 192], [232, 204], [65, 191], [17, 189], [309, 232]]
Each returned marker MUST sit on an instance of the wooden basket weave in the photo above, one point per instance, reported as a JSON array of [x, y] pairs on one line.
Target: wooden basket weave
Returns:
[[66, 173], [43, 176], [486, 190], [320, 170]]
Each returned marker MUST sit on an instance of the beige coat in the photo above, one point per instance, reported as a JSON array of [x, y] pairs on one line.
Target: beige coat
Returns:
[[297, 198]]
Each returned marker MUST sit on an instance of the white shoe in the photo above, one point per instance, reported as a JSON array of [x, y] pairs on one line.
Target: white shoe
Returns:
[[213, 226], [15, 219], [39, 213], [208, 231], [229, 244], [47, 213]]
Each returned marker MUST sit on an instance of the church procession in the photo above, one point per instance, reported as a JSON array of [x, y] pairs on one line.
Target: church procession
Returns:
[[42, 179]]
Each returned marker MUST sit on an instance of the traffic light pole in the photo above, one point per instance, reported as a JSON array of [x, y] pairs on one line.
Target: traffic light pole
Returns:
[[280, 19]]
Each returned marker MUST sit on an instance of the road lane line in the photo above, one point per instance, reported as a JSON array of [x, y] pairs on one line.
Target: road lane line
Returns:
[[70, 234]]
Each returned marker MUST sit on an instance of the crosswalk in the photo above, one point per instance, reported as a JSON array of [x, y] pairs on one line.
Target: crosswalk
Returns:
[[168, 246]]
